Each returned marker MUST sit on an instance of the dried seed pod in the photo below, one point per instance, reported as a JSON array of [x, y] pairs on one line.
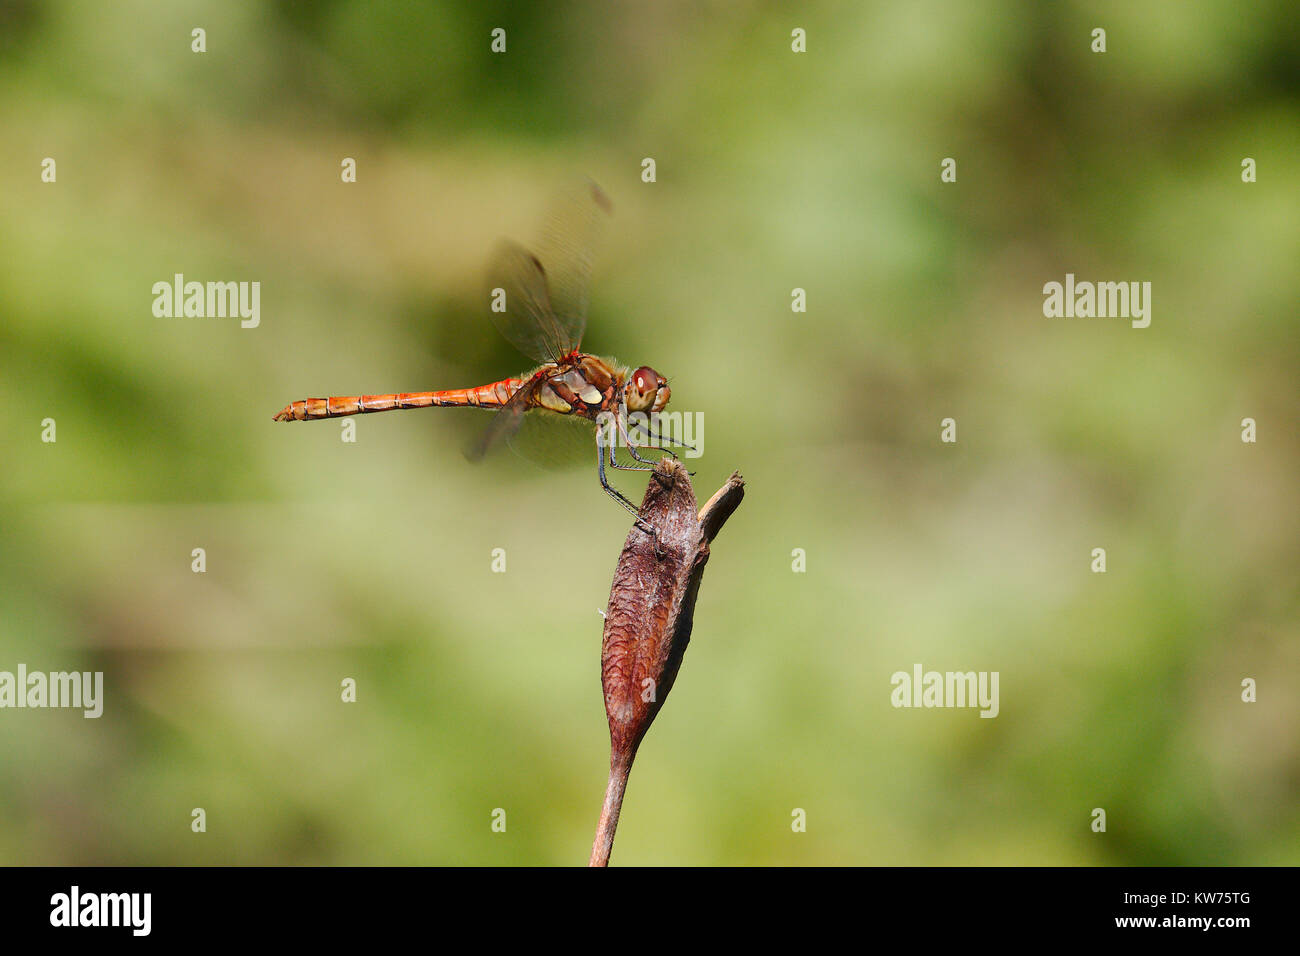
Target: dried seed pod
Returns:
[[649, 618]]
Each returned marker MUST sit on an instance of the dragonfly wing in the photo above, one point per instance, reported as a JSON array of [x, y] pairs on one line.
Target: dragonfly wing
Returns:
[[538, 300], [521, 304], [505, 422], [567, 249], [555, 442]]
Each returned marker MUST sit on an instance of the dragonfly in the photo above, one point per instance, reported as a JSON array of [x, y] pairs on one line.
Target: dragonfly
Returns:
[[538, 301]]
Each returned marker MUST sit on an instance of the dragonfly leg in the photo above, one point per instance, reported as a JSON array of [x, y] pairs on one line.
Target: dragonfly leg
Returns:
[[649, 467], [620, 498], [631, 450], [613, 463], [632, 447], [662, 439], [620, 467]]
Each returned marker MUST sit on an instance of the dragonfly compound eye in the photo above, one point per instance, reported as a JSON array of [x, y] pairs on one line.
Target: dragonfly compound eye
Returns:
[[643, 389], [661, 397]]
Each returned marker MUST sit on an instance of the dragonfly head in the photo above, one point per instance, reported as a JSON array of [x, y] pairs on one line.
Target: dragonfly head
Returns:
[[646, 391]]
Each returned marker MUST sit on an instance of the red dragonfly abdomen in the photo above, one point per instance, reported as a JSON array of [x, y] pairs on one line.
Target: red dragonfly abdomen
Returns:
[[486, 396]]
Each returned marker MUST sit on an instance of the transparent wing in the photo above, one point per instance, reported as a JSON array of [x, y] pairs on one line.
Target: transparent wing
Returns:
[[546, 293], [528, 322], [567, 248], [505, 422], [555, 442]]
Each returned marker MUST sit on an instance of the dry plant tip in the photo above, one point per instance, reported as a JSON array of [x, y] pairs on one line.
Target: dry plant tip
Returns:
[[649, 617]]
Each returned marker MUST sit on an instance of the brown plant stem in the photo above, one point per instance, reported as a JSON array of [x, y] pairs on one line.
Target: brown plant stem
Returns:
[[649, 618], [619, 769]]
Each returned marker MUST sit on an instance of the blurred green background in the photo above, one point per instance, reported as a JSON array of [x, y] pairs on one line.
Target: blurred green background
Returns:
[[776, 170]]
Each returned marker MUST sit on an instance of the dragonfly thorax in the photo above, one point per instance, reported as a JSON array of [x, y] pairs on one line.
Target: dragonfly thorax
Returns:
[[583, 385]]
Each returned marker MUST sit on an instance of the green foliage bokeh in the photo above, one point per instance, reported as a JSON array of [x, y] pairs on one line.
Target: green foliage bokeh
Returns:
[[776, 171]]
